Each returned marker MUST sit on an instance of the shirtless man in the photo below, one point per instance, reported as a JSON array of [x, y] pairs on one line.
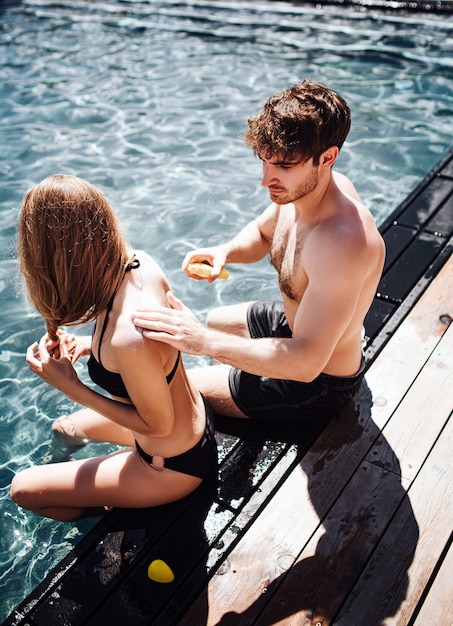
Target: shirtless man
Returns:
[[300, 357]]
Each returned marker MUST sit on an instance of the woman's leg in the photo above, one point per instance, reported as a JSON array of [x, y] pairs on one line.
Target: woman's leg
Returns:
[[87, 426], [67, 491]]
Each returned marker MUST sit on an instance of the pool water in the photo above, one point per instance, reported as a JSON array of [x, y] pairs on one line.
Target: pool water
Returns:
[[149, 100]]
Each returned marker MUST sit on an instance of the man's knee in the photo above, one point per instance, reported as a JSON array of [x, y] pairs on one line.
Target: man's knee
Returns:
[[230, 319], [217, 317]]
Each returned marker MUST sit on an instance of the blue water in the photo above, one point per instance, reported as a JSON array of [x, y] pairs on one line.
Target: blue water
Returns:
[[148, 100]]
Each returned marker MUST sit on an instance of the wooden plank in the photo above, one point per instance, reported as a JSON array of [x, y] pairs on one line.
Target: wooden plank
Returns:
[[397, 238], [425, 204], [420, 417], [389, 578], [410, 266], [192, 545], [111, 576], [246, 574], [410, 434], [216, 559], [283, 528], [115, 556], [442, 221], [377, 316], [325, 572], [410, 346], [442, 170], [437, 607], [317, 481]]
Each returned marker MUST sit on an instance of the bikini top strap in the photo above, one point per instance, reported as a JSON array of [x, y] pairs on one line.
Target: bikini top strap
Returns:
[[104, 325], [134, 264], [175, 367]]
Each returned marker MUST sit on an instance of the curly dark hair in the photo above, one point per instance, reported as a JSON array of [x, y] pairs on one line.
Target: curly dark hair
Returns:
[[301, 122]]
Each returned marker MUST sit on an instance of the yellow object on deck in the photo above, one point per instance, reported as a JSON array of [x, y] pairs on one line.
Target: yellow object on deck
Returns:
[[160, 572]]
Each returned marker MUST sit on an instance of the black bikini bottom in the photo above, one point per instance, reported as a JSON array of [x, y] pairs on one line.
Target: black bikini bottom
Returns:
[[199, 461]]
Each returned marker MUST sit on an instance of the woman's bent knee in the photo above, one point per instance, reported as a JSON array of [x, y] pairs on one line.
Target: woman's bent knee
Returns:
[[21, 492]]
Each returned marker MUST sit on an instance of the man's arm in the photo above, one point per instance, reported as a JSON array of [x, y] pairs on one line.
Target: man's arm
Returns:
[[286, 359], [251, 244], [336, 273]]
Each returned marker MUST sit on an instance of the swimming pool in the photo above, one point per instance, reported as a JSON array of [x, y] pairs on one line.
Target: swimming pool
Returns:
[[148, 100]]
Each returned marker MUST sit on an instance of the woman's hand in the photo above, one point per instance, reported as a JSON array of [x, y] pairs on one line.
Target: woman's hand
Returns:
[[78, 346], [53, 362]]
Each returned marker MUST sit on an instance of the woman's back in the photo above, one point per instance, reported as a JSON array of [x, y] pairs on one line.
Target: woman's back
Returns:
[[144, 364]]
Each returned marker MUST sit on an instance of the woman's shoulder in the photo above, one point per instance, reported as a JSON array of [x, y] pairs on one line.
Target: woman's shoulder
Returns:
[[146, 285], [146, 260], [151, 271]]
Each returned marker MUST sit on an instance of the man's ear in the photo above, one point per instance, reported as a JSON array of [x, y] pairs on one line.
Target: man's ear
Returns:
[[329, 157]]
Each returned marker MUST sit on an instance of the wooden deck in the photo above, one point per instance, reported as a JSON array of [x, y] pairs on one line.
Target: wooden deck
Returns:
[[349, 524], [356, 533]]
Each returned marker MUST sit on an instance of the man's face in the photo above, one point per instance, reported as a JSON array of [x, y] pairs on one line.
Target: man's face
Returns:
[[288, 181]]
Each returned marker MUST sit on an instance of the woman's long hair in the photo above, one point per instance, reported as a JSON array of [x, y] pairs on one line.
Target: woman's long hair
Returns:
[[72, 250]]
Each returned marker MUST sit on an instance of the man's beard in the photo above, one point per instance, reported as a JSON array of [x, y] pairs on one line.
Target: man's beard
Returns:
[[309, 185]]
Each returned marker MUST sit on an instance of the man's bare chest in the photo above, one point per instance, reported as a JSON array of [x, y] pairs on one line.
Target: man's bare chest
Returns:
[[287, 253]]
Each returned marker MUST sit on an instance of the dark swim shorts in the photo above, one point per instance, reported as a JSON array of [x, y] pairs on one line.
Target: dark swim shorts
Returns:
[[260, 397]]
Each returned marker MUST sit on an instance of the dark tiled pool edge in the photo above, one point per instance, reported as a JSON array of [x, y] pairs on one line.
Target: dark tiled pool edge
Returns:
[[431, 6]]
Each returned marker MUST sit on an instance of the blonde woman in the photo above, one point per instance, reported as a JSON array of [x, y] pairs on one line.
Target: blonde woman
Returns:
[[77, 267]]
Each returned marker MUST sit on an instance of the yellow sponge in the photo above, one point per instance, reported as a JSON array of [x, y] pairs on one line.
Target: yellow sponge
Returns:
[[204, 270]]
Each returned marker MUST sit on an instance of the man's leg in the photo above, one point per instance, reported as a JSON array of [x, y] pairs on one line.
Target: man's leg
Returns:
[[212, 382], [230, 319]]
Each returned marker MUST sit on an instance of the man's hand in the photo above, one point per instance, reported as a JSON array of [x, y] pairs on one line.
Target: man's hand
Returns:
[[216, 257], [177, 326]]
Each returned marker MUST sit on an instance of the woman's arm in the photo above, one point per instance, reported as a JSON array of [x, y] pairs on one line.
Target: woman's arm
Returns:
[[151, 413]]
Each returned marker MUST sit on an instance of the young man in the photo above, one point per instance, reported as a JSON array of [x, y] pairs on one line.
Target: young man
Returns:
[[300, 357]]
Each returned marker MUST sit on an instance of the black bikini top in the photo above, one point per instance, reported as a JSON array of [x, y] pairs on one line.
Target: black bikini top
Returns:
[[112, 381]]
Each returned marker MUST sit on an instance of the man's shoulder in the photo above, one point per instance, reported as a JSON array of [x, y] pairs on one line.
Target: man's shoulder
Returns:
[[342, 228], [347, 239], [345, 185]]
